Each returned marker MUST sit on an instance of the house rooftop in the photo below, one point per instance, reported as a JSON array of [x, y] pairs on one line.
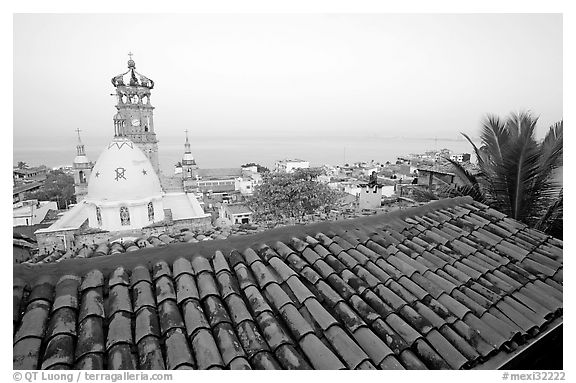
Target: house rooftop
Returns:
[[25, 187], [452, 284], [219, 173], [238, 208]]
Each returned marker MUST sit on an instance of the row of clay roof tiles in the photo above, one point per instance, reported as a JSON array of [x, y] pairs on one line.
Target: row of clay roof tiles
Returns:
[[449, 289], [128, 246]]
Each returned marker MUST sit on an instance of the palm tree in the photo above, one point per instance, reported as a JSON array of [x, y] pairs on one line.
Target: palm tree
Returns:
[[518, 175], [22, 165]]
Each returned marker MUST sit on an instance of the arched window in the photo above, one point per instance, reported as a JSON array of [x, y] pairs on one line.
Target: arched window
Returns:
[[82, 177], [98, 216], [124, 216], [150, 211]]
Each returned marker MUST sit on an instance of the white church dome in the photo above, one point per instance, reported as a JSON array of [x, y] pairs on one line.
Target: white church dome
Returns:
[[123, 173]]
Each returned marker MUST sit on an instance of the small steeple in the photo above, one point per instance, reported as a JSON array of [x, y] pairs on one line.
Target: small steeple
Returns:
[[80, 146], [187, 144], [188, 158]]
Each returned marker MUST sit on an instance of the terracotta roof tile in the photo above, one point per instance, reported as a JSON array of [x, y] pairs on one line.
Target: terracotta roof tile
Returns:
[[460, 344], [34, 321], [59, 352], [448, 352], [66, 294], [205, 350], [42, 290], [169, 315], [239, 364], [140, 273], [410, 361], [26, 354], [119, 300], [119, 330], [251, 339], [429, 356], [121, 358], [274, 334], [150, 354], [291, 359], [63, 321], [90, 337], [182, 266], [283, 270], [90, 362], [91, 279], [206, 285], [237, 308], [219, 262], [264, 360], [146, 324], [264, 275], [177, 350], [228, 343], [295, 322], [345, 347]]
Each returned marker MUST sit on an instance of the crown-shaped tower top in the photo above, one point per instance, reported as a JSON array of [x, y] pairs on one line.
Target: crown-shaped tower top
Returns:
[[132, 78]]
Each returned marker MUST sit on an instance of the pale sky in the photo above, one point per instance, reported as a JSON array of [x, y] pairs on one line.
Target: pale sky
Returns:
[[287, 74]]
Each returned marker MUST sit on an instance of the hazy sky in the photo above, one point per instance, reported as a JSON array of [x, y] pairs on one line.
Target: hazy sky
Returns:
[[299, 74]]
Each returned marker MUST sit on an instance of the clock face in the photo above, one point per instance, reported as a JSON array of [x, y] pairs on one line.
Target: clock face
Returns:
[[135, 122]]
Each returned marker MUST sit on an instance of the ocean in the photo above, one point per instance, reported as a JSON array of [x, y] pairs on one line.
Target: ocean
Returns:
[[226, 152]]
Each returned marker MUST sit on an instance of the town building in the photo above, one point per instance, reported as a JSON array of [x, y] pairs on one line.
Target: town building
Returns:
[[19, 191], [189, 167], [31, 212], [29, 174], [82, 168], [460, 157], [432, 178], [370, 196], [235, 214], [290, 165]]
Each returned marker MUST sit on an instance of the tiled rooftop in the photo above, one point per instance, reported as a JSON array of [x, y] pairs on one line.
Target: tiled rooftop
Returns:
[[449, 286]]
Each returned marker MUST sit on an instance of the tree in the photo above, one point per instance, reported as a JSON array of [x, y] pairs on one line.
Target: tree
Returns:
[[518, 175], [58, 187], [22, 165], [292, 195], [261, 169]]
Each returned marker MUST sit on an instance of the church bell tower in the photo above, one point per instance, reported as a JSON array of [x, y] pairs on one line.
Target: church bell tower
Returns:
[[189, 167], [135, 117], [82, 169]]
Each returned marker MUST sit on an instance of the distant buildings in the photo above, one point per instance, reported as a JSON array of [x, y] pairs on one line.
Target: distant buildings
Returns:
[[32, 212], [288, 166], [20, 191], [461, 157], [29, 174], [235, 214]]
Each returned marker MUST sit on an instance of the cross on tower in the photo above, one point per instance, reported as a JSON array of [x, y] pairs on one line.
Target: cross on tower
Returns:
[[130, 55], [78, 131]]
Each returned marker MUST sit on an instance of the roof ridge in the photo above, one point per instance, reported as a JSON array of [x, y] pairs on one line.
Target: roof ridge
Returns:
[[173, 251]]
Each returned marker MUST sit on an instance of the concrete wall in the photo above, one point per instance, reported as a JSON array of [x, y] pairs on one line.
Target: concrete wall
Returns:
[[49, 241], [370, 197]]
